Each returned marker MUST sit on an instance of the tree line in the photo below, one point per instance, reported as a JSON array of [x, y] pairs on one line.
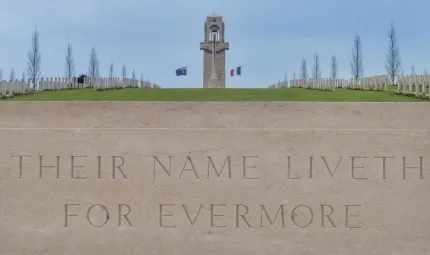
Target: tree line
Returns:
[[34, 64], [392, 62]]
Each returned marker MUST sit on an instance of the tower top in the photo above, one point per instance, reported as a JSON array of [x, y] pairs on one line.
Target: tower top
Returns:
[[215, 15]]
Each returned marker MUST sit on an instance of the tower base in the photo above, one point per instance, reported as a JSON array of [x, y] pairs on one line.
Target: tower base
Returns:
[[215, 83]]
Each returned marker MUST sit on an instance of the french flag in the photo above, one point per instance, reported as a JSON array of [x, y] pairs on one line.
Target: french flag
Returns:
[[236, 71]]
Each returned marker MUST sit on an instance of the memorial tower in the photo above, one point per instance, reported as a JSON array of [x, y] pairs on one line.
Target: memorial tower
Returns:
[[214, 48]]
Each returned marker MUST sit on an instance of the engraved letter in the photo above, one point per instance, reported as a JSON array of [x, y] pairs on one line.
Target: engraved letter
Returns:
[[161, 216], [67, 214], [104, 209], [72, 161], [188, 215], [353, 167], [226, 162], [384, 166], [169, 171], [99, 167], [114, 166], [41, 166], [242, 216], [332, 173], [20, 163], [311, 164], [347, 216], [192, 169], [293, 214], [263, 210], [215, 215], [328, 216], [289, 170], [120, 215], [245, 166], [416, 167]]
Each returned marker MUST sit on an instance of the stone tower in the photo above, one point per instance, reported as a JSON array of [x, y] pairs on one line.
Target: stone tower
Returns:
[[214, 48]]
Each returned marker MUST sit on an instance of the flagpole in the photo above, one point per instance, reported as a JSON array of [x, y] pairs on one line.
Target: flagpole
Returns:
[[241, 83]]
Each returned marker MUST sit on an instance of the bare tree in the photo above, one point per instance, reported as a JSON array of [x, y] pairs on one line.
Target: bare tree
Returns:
[[393, 63], [333, 67], [111, 75], [304, 70], [294, 75], [23, 77], [317, 70], [93, 67], [70, 65], [357, 59], [34, 61], [133, 75], [12, 75], [413, 70], [124, 71], [1, 74], [426, 72]]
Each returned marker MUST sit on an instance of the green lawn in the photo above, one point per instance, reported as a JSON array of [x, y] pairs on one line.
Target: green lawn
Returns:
[[295, 94]]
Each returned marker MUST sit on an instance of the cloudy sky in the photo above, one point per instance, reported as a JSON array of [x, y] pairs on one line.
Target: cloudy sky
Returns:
[[268, 38]]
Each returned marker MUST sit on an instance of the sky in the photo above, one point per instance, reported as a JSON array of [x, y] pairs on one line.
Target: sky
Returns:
[[268, 38]]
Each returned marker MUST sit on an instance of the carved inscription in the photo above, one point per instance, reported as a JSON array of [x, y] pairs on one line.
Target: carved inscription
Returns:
[[236, 170]]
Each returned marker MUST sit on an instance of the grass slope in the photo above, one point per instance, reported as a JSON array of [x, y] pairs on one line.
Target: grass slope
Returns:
[[292, 94]]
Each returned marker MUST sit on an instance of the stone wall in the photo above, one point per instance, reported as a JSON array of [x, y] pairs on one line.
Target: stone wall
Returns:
[[214, 178]]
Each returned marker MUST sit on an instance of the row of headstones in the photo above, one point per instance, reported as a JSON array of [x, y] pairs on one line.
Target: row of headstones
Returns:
[[379, 83], [376, 83], [116, 83], [59, 83], [317, 83], [14, 88], [19, 87], [415, 85]]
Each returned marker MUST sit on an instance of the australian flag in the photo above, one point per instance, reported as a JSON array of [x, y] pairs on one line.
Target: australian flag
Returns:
[[181, 71]]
